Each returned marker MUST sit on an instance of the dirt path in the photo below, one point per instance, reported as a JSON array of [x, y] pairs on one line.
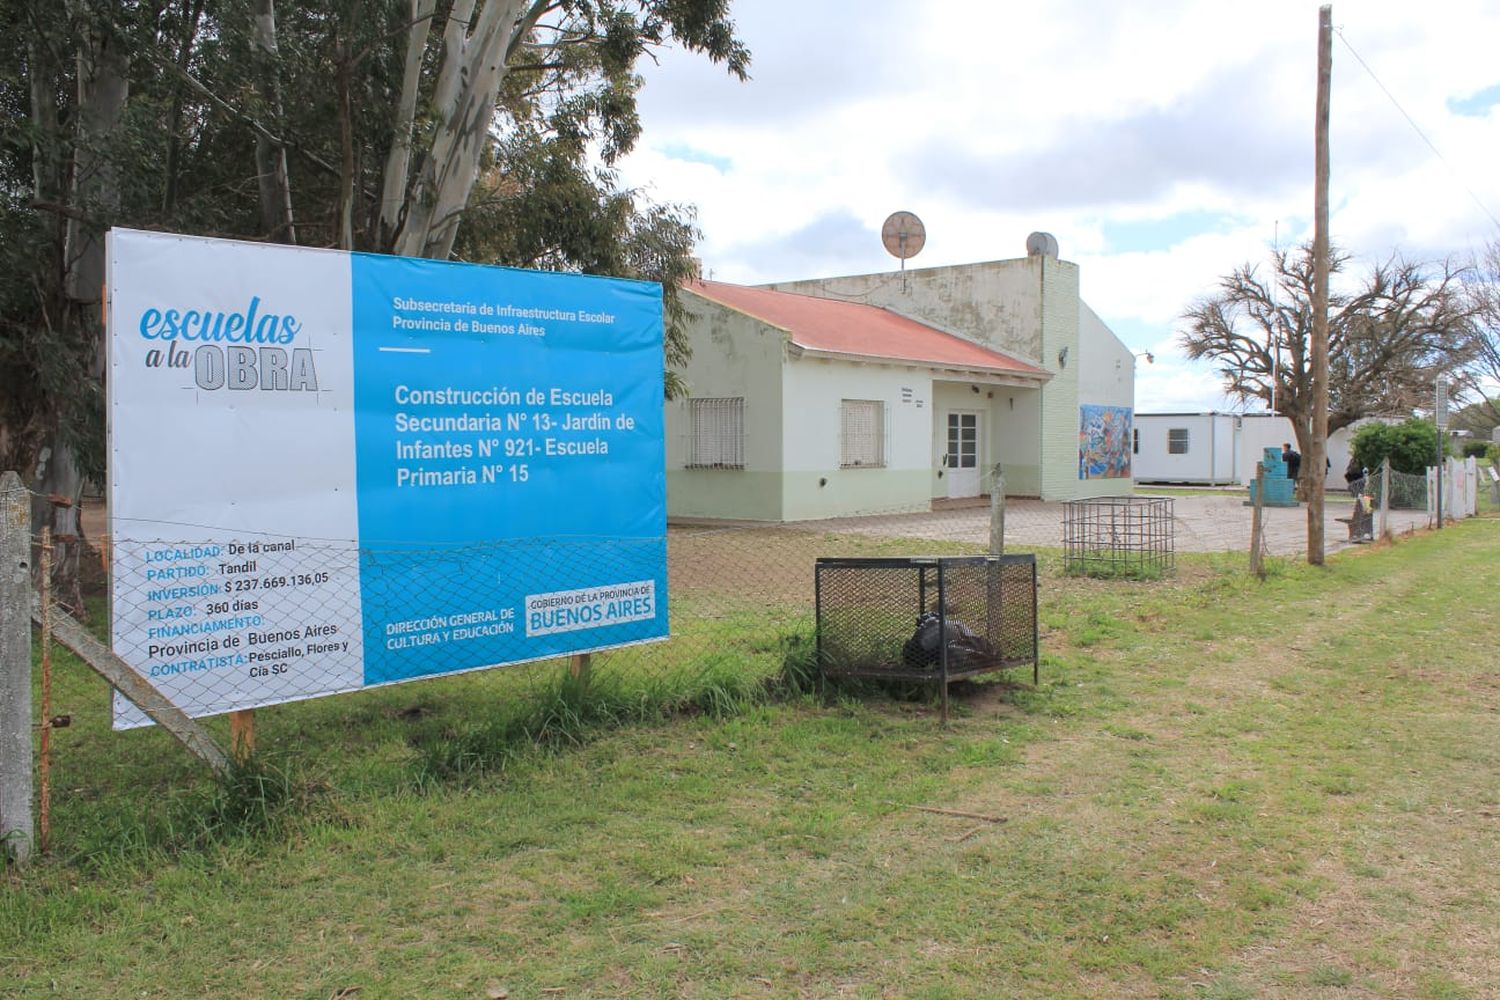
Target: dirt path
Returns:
[[1323, 733]]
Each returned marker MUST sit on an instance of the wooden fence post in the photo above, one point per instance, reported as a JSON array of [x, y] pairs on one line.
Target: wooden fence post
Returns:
[[16, 821], [1257, 522], [997, 513], [1385, 498]]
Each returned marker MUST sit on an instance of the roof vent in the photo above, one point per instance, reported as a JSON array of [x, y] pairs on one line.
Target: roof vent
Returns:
[[1041, 244]]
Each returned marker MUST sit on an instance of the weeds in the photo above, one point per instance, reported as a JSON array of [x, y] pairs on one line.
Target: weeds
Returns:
[[1137, 571], [570, 711], [564, 713], [257, 795], [800, 674], [256, 799]]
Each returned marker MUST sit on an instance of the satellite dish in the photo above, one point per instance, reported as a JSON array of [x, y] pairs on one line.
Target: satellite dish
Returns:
[[903, 235], [1041, 244]]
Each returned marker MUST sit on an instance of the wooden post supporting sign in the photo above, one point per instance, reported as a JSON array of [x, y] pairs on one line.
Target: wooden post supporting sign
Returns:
[[1258, 523], [242, 733]]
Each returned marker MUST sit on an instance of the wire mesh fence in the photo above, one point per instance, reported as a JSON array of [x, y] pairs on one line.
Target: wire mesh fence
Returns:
[[740, 602], [252, 622], [1407, 492]]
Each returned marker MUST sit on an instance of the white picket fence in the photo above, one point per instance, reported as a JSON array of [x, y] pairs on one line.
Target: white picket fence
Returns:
[[1460, 484]]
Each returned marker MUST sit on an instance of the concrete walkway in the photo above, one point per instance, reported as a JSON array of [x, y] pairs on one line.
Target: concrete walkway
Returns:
[[1212, 522]]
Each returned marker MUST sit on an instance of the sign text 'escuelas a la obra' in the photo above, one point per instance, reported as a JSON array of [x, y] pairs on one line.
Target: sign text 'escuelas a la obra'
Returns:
[[329, 471]]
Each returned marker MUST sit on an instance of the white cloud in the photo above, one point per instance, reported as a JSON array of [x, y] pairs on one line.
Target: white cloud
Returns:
[[1077, 117]]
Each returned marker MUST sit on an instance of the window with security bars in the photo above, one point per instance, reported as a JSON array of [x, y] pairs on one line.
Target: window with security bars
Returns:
[[1177, 441], [718, 433], [862, 434]]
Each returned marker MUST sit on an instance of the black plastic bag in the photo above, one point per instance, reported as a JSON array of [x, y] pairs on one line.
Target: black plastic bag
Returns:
[[966, 648]]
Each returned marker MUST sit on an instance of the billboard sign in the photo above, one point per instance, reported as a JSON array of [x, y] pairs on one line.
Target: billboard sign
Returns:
[[329, 471]]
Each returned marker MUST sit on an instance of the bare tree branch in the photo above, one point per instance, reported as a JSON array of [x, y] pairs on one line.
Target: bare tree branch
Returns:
[[1389, 336], [250, 120], [1482, 379]]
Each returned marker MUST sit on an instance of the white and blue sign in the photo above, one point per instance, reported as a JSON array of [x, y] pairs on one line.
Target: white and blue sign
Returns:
[[331, 471]]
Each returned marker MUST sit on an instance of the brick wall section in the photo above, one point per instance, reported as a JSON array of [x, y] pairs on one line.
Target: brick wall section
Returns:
[[1059, 312]]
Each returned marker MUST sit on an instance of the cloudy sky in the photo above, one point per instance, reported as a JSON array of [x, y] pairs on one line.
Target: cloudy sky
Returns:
[[1162, 144]]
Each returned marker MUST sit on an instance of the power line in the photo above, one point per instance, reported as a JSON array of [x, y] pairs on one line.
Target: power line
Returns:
[[1418, 129]]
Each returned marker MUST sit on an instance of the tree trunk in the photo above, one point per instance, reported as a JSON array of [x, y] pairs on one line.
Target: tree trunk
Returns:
[[46, 173], [346, 133], [468, 83], [270, 158], [398, 161], [174, 141], [1302, 434], [103, 89]]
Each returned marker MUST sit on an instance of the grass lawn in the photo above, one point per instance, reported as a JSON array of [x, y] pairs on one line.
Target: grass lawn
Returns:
[[1221, 789]]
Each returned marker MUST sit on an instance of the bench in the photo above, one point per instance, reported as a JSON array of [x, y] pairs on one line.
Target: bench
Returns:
[[1361, 523]]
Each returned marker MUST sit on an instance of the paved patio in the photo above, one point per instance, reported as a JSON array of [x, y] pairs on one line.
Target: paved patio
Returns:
[[1212, 522]]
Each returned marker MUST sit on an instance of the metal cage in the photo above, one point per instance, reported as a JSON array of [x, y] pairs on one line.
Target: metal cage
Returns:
[[1119, 536], [934, 620]]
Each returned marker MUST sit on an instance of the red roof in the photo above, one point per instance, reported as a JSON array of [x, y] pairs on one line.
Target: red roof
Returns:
[[853, 328]]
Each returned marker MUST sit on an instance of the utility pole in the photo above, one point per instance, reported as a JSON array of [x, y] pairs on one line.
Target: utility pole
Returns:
[[1316, 461], [1440, 424], [1275, 338]]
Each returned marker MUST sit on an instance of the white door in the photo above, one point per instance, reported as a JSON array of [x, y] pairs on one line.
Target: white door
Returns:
[[962, 456]]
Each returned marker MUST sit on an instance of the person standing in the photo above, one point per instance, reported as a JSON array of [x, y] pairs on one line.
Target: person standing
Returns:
[[1292, 459], [1354, 476]]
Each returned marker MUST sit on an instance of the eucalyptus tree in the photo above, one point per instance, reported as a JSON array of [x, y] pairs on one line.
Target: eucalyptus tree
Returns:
[[484, 129]]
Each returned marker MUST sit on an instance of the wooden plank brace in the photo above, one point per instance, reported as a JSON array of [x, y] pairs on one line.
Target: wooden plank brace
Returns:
[[124, 678]]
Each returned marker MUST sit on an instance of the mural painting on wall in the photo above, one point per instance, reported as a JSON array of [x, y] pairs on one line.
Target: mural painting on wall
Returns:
[[1103, 442]]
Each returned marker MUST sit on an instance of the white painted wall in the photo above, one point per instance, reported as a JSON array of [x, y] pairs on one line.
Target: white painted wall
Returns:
[[1261, 431], [1028, 307], [1061, 309], [1106, 367], [1242, 436], [1213, 455], [996, 302], [960, 397], [1016, 416], [733, 355], [814, 484], [1010, 421]]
